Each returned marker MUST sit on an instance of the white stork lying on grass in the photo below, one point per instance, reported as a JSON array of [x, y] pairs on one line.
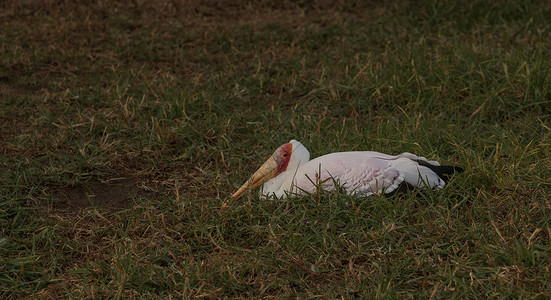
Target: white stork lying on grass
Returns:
[[290, 172]]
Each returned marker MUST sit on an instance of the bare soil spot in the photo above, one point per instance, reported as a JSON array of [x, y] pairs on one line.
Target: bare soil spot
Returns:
[[110, 194]]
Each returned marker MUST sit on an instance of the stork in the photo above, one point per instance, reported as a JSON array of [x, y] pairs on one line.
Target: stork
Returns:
[[290, 172]]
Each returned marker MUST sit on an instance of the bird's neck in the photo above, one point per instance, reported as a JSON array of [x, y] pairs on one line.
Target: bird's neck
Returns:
[[280, 184], [273, 185]]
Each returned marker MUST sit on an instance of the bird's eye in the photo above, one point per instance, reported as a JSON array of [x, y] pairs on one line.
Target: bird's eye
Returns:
[[285, 155]]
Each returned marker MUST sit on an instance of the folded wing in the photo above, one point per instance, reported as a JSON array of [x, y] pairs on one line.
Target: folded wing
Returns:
[[365, 173]]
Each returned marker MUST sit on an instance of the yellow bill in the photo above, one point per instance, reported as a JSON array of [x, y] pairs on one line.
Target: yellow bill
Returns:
[[263, 174]]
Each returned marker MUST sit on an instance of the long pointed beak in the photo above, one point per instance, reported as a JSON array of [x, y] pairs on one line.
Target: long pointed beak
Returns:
[[263, 174]]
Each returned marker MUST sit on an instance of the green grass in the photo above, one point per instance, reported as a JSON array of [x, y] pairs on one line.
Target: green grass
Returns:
[[181, 102]]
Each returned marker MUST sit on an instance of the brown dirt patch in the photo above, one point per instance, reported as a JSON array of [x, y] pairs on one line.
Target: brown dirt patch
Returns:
[[111, 194]]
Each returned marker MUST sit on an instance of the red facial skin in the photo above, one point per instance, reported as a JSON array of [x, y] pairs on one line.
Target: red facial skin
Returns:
[[282, 157]]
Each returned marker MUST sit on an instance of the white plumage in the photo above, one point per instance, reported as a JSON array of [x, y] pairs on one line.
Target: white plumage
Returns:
[[290, 172]]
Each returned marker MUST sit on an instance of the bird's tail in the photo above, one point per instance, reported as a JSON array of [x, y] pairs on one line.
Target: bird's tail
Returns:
[[443, 172]]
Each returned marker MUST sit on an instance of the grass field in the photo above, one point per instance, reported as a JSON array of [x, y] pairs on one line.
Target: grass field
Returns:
[[125, 125]]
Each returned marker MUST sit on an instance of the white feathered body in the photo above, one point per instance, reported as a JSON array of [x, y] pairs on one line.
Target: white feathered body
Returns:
[[360, 173]]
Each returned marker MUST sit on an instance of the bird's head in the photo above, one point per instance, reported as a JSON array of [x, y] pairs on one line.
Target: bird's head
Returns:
[[287, 157]]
